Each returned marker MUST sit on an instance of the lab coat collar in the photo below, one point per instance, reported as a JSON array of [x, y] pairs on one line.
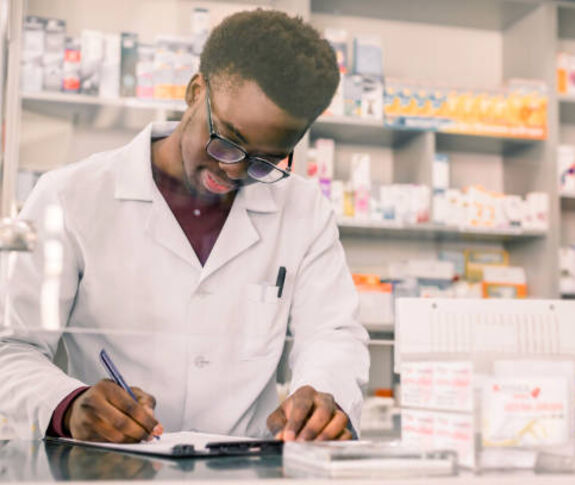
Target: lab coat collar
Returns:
[[135, 181]]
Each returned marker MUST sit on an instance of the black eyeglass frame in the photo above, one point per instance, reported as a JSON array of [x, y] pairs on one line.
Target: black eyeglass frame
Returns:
[[246, 156]]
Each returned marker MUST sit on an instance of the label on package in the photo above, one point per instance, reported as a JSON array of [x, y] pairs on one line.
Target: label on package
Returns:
[[437, 385], [521, 412]]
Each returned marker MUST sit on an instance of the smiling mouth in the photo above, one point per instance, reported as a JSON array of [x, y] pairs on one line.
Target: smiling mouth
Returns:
[[215, 184]]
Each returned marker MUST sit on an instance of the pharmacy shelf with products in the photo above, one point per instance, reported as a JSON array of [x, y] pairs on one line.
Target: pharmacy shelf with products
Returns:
[[566, 147], [438, 152]]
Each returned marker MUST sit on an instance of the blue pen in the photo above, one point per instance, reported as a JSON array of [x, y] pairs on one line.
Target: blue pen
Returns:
[[115, 375]]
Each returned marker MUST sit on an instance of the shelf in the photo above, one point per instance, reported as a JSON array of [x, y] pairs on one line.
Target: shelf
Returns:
[[568, 201], [432, 231], [566, 108], [358, 131], [566, 98], [72, 100], [381, 343], [485, 144], [475, 14], [380, 328]]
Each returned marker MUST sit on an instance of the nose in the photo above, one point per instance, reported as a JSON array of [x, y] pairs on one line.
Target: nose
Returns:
[[234, 171]]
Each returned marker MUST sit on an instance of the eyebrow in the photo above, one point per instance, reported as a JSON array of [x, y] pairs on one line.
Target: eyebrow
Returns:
[[230, 127]]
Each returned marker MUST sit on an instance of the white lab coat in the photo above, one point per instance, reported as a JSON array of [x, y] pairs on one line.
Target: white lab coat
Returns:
[[214, 334]]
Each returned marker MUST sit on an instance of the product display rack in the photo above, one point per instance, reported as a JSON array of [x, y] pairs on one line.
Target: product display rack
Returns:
[[566, 124], [477, 43]]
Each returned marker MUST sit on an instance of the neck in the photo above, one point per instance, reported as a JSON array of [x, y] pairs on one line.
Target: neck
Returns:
[[165, 154]]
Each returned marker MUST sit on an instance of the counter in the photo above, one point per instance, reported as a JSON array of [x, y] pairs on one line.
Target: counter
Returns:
[[38, 461]]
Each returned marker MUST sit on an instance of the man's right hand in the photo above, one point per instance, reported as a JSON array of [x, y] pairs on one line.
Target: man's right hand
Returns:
[[105, 412]]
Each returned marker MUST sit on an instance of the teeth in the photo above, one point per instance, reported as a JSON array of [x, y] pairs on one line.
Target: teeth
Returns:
[[216, 183]]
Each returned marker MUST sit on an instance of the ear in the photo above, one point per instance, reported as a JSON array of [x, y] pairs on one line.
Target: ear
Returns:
[[194, 88]]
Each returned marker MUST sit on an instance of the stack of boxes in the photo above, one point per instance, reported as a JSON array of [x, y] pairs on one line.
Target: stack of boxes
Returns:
[[566, 168], [517, 110], [567, 269], [110, 65], [566, 73]]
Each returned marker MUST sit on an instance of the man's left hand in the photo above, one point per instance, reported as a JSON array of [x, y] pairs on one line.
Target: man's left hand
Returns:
[[309, 415]]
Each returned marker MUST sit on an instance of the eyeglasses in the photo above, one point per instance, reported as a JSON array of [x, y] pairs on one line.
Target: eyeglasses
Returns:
[[228, 152]]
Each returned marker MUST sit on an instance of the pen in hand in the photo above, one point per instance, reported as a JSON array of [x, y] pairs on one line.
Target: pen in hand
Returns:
[[115, 375]]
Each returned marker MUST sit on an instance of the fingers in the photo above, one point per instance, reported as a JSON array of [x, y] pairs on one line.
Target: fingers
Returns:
[[323, 412], [297, 409], [145, 399], [336, 428], [133, 410], [276, 422], [108, 413], [345, 435], [110, 410], [309, 415]]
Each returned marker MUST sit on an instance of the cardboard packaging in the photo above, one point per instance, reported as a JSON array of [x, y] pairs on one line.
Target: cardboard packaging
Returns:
[[72, 65], [91, 61], [53, 57], [32, 74], [129, 59]]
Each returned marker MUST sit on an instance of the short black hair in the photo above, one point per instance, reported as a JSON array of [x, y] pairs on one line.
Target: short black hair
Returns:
[[285, 56]]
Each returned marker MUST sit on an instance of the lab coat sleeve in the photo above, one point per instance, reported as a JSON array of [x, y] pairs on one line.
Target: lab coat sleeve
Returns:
[[330, 345], [31, 386]]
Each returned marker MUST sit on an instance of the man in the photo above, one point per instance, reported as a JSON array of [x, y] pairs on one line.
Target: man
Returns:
[[186, 254]]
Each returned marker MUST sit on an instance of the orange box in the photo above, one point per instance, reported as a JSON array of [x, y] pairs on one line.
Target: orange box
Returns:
[[503, 290]]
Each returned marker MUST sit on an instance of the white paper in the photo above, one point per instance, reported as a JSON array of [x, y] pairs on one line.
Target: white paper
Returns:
[[165, 444]]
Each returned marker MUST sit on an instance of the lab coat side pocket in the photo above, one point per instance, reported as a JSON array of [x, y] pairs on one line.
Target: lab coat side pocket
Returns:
[[259, 326]]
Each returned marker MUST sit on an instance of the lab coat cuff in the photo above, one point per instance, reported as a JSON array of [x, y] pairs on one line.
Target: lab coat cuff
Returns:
[[51, 402]]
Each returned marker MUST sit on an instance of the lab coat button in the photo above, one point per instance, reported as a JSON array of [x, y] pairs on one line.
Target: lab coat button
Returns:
[[200, 362]]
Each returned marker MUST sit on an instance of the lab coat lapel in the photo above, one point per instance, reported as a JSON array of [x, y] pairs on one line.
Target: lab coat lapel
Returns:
[[165, 230], [135, 182], [239, 232]]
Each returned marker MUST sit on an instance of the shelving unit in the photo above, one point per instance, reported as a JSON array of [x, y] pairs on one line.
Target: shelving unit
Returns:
[[476, 44], [433, 231], [566, 123]]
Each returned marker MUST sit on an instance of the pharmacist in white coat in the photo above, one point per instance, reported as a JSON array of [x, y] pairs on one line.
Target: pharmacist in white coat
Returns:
[[195, 312]]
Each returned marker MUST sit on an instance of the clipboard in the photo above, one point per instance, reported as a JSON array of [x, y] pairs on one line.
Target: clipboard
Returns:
[[188, 444]]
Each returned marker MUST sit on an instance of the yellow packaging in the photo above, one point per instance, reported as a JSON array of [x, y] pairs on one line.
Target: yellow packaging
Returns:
[[476, 260]]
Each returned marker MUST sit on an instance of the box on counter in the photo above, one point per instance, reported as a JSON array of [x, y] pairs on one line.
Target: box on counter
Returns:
[[337, 38], [110, 80], [145, 71], [186, 64], [477, 260], [440, 172], [375, 300], [352, 93], [368, 56], [33, 35], [128, 62], [566, 168], [372, 99], [72, 65], [164, 74], [92, 42], [53, 57]]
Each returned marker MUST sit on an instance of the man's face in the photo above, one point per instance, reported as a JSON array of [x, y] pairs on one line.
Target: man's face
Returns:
[[243, 114]]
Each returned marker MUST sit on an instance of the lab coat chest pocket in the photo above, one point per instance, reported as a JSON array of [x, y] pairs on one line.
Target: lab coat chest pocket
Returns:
[[260, 329]]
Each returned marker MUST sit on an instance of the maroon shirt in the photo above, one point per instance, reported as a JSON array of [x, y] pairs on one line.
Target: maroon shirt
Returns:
[[201, 222]]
